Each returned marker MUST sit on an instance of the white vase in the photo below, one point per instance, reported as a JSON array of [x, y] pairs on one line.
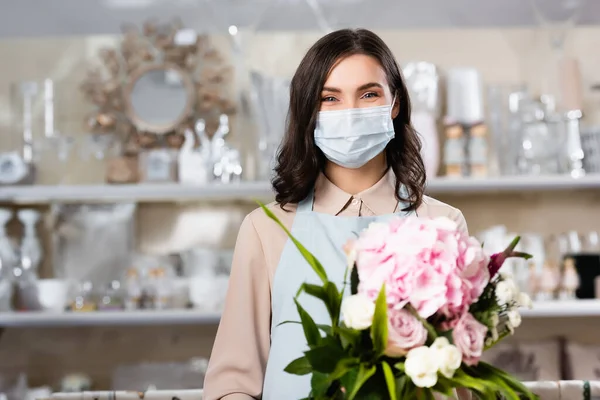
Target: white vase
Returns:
[[425, 124]]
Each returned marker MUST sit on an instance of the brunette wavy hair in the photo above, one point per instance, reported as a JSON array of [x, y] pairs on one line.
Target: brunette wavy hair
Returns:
[[299, 160]]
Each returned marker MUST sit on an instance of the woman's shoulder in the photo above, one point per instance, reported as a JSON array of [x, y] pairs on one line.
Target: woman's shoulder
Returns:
[[264, 225], [433, 208]]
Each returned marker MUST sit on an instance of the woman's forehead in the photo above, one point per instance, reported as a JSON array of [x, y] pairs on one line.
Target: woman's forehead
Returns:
[[352, 72]]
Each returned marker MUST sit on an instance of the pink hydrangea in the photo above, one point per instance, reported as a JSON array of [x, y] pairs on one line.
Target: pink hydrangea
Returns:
[[427, 263]]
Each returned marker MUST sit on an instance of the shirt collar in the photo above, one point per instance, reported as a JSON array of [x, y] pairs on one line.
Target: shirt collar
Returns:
[[380, 198]]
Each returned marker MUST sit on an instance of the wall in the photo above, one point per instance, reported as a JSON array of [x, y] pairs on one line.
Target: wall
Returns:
[[503, 56]]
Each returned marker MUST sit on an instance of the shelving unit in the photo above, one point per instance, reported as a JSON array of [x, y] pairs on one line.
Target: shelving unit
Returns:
[[107, 318], [564, 309], [546, 310], [168, 192], [252, 191]]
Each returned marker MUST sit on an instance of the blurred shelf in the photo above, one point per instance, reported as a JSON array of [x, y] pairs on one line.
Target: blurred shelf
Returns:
[[30, 18], [107, 318], [547, 309], [252, 191], [145, 192], [563, 309], [512, 184]]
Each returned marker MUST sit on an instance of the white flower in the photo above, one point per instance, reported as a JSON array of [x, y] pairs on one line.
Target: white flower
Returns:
[[448, 356], [375, 226], [495, 321], [440, 343], [351, 259], [506, 291], [421, 366], [489, 342], [514, 319], [358, 311], [351, 254], [523, 300]]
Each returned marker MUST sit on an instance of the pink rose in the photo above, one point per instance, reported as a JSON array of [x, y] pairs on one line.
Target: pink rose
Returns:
[[475, 268], [405, 332], [469, 336]]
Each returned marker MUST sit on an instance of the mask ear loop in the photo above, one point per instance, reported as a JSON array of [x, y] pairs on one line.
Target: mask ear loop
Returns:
[[392, 107]]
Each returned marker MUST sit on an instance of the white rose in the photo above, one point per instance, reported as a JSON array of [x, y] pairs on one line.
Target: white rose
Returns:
[[358, 311], [421, 366], [523, 300], [506, 291], [448, 356], [514, 319]]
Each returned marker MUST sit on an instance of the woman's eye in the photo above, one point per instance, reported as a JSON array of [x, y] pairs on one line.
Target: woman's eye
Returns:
[[328, 98], [370, 95]]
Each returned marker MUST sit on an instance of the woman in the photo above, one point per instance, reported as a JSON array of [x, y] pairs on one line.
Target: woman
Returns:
[[349, 157]]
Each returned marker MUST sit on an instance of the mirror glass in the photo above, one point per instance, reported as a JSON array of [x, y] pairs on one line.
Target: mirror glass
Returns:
[[159, 98]]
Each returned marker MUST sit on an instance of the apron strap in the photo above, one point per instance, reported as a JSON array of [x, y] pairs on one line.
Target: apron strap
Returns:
[[306, 205]]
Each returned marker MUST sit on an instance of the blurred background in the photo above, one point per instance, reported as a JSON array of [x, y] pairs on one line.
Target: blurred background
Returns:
[[136, 134]]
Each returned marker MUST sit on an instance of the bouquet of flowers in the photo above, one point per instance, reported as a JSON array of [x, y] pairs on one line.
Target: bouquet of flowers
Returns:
[[425, 302]]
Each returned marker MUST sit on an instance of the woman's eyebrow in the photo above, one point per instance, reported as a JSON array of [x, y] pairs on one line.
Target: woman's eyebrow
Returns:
[[369, 86], [359, 89]]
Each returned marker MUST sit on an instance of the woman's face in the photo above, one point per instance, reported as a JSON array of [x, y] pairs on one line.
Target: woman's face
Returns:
[[357, 81]]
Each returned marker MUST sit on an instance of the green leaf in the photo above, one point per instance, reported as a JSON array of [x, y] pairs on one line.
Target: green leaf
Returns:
[[354, 281], [333, 302], [319, 384], [350, 337], [325, 357], [505, 389], [389, 379], [325, 328], [402, 386], [514, 383], [520, 254], [311, 332], [308, 256], [300, 366], [349, 379], [343, 367], [462, 379], [425, 394], [364, 373], [379, 328], [317, 291], [288, 322], [399, 366], [444, 386], [328, 294], [328, 330]]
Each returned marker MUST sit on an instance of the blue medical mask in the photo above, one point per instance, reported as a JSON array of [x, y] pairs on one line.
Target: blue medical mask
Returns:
[[353, 137]]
